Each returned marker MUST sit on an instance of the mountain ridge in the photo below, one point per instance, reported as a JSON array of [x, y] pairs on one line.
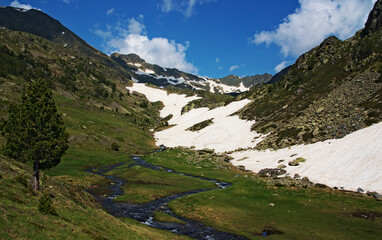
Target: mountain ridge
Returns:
[[330, 91]]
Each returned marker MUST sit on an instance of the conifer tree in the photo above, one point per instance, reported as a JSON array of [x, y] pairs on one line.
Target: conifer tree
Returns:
[[34, 130]]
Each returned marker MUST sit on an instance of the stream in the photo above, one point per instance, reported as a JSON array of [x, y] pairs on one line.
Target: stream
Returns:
[[144, 212]]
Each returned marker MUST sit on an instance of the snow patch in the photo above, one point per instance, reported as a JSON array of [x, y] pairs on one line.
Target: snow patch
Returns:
[[221, 136], [351, 162], [171, 80], [173, 102]]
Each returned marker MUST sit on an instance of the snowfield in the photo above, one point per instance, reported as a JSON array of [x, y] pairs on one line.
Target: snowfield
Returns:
[[352, 162]]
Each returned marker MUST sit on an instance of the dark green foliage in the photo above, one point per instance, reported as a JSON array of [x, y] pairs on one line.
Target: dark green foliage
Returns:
[[144, 104], [22, 65], [100, 92], [115, 146], [34, 130], [23, 180], [119, 139], [45, 204]]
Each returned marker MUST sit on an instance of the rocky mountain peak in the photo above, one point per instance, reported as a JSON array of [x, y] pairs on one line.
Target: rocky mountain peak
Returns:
[[374, 22], [129, 58]]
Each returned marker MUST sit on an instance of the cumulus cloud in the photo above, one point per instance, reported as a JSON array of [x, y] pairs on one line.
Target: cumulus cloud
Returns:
[[159, 51], [217, 60], [17, 4], [315, 20], [186, 7], [234, 67], [130, 37], [136, 26], [281, 66]]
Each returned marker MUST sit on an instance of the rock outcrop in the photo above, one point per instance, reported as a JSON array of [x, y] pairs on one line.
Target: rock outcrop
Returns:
[[374, 22]]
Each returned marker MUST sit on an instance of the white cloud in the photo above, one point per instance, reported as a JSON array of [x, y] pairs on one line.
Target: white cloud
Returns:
[[17, 4], [217, 60], [315, 20], [136, 26], [159, 51], [186, 7], [234, 67], [110, 11], [281, 66], [130, 37], [103, 34], [167, 6]]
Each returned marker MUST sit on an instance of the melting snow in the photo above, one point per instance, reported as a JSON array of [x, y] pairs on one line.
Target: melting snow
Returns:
[[220, 136], [171, 80], [351, 162]]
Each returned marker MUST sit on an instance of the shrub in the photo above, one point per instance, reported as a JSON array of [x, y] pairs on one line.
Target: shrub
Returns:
[[45, 204], [115, 146], [23, 180]]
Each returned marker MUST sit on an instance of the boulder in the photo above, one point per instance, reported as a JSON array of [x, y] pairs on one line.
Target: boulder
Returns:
[[271, 172]]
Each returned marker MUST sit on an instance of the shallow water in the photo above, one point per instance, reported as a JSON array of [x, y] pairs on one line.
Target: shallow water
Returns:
[[144, 212]]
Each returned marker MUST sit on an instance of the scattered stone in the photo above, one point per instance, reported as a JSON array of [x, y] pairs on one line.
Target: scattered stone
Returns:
[[371, 194], [280, 161], [271, 204], [296, 176], [360, 190], [378, 197], [271, 172], [320, 185], [241, 167], [306, 182], [320, 109]]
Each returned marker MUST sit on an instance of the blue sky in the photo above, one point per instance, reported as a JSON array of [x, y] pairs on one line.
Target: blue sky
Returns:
[[211, 38]]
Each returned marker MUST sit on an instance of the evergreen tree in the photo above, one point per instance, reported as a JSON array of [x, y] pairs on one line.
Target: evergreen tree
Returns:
[[34, 130]]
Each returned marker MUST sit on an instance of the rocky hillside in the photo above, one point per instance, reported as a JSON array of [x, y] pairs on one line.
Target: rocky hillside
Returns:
[[249, 81], [330, 91], [40, 24], [143, 72]]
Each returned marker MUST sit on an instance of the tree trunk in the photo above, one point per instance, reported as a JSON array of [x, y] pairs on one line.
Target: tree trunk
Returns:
[[36, 175]]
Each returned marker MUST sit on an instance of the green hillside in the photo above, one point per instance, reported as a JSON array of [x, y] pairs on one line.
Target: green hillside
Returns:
[[329, 92]]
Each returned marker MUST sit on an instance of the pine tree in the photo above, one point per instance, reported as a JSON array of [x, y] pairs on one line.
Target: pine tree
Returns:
[[34, 130]]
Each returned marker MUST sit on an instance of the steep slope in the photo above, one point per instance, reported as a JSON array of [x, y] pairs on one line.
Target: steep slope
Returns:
[[278, 76], [329, 92], [40, 24], [249, 81]]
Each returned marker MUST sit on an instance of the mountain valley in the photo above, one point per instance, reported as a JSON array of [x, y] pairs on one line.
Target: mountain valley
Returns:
[[300, 150]]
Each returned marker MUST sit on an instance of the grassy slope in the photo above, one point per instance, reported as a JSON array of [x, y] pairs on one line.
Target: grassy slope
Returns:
[[78, 217], [244, 208], [93, 124]]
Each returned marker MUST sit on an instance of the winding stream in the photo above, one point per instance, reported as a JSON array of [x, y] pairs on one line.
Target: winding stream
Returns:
[[144, 212]]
